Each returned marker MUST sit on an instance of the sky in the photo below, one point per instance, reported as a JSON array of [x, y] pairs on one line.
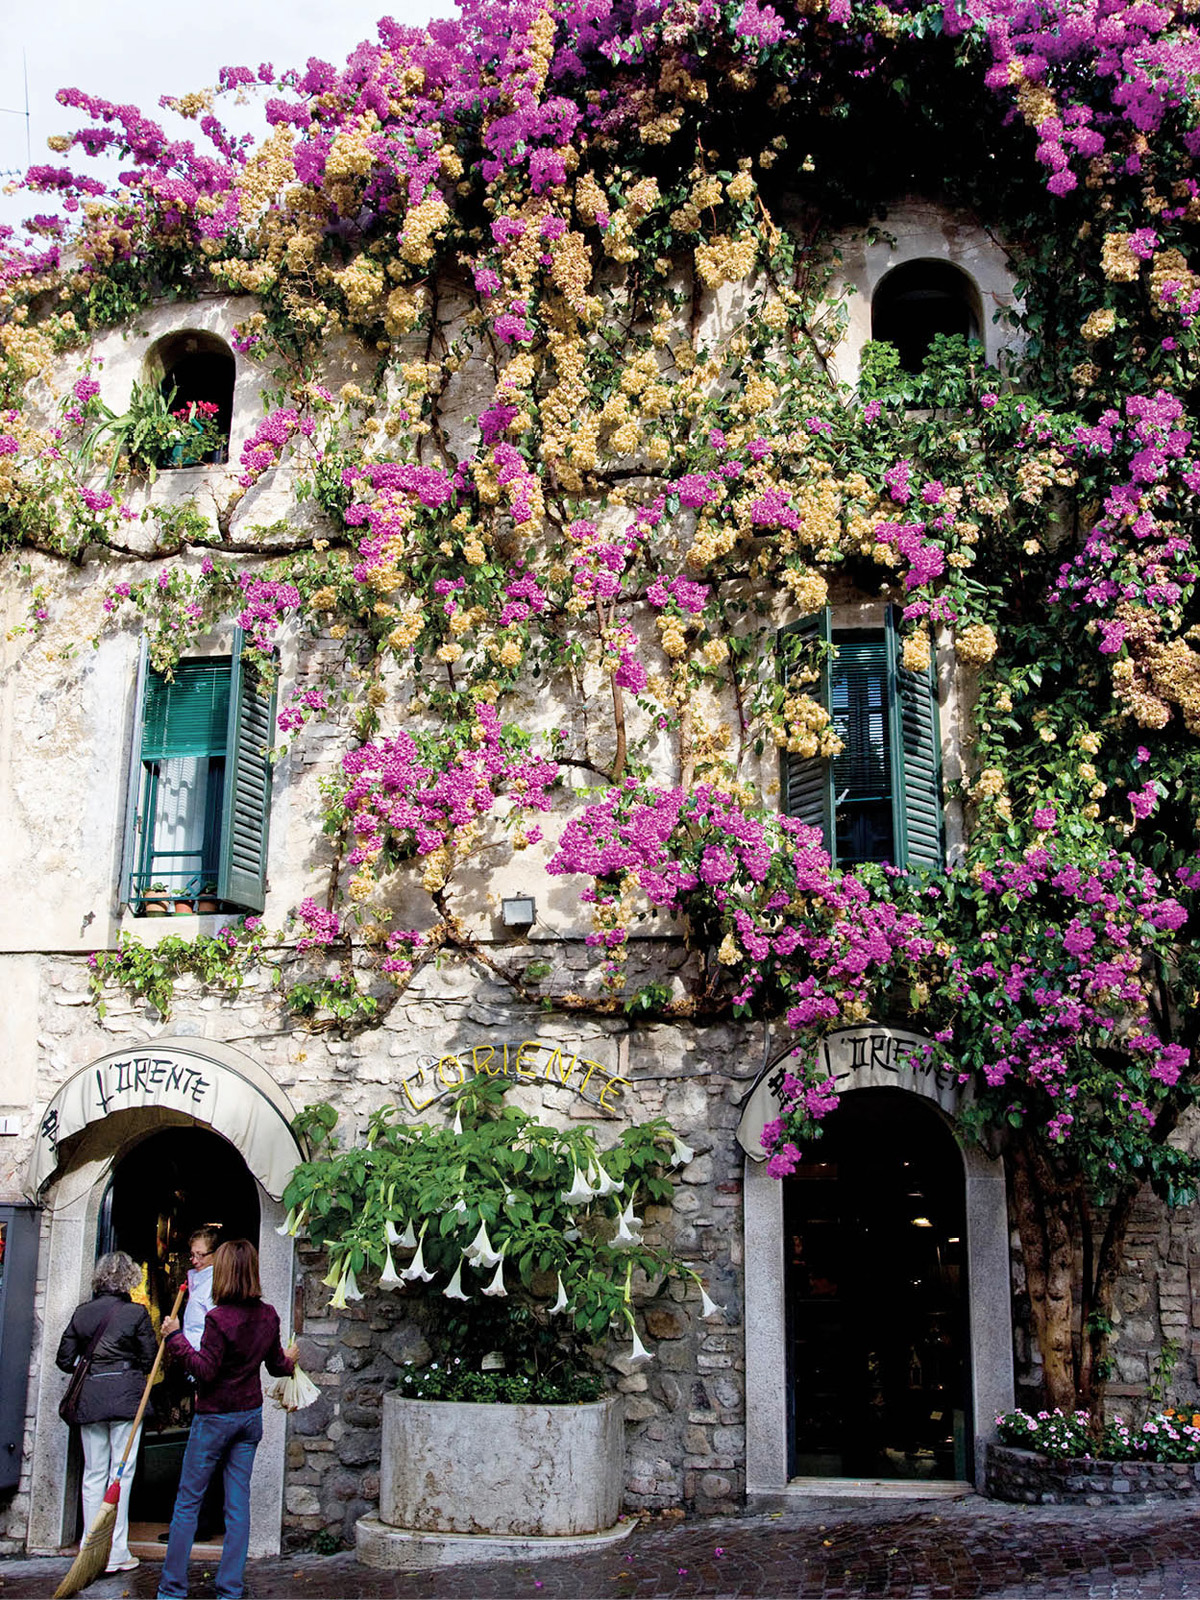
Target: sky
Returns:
[[137, 50]]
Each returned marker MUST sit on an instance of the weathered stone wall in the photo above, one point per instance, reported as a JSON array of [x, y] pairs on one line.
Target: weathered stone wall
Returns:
[[685, 1412], [1031, 1479]]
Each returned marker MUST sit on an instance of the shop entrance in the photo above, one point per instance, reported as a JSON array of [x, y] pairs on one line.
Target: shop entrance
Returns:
[[875, 1253], [163, 1189]]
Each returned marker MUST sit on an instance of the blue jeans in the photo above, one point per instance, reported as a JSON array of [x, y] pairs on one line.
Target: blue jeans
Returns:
[[228, 1440]]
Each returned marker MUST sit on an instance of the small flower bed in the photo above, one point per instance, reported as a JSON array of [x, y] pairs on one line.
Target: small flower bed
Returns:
[[1164, 1436], [456, 1379]]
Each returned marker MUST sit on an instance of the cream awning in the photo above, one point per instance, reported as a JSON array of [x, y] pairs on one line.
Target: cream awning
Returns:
[[214, 1084]]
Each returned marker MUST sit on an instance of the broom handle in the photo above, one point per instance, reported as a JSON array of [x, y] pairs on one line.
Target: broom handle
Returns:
[[153, 1373]]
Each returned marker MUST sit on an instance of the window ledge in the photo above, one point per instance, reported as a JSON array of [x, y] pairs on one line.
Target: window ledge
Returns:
[[151, 930]]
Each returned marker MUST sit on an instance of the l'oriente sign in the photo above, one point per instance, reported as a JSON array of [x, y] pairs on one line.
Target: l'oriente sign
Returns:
[[530, 1060]]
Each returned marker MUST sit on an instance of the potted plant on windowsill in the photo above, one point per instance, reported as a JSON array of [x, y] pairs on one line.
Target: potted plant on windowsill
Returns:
[[199, 435], [155, 903], [521, 1247], [208, 904]]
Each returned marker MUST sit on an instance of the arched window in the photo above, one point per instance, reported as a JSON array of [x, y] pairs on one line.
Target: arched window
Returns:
[[194, 371], [920, 299]]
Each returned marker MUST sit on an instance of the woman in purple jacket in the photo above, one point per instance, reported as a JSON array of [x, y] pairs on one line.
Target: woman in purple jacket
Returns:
[[241, 1333]]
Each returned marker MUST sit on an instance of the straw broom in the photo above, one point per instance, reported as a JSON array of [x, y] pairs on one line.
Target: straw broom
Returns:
[[96, 1545]]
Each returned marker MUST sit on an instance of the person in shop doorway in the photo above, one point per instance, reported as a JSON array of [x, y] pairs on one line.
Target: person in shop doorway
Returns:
[[241, 1335], [121, 1338], [201, 1246]]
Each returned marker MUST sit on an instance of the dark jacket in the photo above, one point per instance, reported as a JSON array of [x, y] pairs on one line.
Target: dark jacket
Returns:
[[238, 1338], [125, 1354]]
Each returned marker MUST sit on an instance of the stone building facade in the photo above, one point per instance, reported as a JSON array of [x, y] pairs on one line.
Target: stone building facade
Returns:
[[708, 1421]]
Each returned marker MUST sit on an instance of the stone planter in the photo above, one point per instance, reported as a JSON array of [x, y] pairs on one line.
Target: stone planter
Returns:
[[455, 1474], [1025, 1476]]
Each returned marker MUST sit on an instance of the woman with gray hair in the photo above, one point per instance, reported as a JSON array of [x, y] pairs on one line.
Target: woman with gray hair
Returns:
[[121, 1339]]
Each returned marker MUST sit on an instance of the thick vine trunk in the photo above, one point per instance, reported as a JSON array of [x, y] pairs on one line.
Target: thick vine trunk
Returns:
[[1043, 1222], [1071, 1279]]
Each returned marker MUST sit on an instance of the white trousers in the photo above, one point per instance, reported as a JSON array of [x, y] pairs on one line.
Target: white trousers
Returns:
[[103, 1446]]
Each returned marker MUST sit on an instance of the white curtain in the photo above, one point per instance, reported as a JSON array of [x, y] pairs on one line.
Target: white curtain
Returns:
[[178, 822]]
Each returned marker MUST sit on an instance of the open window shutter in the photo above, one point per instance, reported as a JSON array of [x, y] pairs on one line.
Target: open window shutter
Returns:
[[916, 760], [806, 782], [242, 876], [133, 793]]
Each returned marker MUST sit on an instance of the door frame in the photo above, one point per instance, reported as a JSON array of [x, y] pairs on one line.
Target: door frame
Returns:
[[990, 1342]]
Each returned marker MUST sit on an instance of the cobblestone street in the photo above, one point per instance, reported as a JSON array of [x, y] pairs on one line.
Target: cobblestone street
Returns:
[[831, 1549]]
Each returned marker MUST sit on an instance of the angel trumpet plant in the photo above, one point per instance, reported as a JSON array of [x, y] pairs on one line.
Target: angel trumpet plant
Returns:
[[557, 1281]]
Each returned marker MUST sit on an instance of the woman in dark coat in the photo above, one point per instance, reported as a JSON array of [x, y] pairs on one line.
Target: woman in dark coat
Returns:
[[112, 1388]]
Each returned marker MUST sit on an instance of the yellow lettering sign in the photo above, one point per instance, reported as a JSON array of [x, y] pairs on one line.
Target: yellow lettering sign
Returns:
[[592, 1066], [451, 1083], [532, 1046], [417, 1105], [486, 1064], [613, 1086]]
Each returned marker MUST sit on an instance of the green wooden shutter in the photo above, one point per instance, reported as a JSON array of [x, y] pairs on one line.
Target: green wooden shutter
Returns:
[[188, 716], [242, 878], [916, 760], [133, 793], [806, 782]]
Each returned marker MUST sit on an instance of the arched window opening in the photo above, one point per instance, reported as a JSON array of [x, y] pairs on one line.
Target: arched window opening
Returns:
[[194, 372], [917, 301]]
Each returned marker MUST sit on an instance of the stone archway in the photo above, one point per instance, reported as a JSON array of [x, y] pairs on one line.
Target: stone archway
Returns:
[[864, 1058], [72, 1188]]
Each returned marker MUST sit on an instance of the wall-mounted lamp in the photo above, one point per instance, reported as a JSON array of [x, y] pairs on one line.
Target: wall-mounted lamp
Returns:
[[518, 911]]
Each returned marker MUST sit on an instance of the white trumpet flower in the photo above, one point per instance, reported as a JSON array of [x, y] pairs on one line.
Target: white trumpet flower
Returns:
[[496, 1286], [389, 1278], [639, 1353], [293, 1222], [347, 1289], [623, 1237], [479, 1252], [682, 1154], [390, 1233], [456, 1126], [580, 1191], [708, 1306], [408, 1239], [334, 1276], [561, 1303], [605, 1183], [416, 1267], [460, 1205], [454, 1289], [628, 1223]]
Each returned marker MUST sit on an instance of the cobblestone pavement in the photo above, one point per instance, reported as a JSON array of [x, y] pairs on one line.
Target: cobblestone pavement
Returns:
[[834, 1550]]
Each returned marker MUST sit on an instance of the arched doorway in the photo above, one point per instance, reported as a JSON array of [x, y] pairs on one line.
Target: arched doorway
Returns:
[[877, 1296], [162, 1189]]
